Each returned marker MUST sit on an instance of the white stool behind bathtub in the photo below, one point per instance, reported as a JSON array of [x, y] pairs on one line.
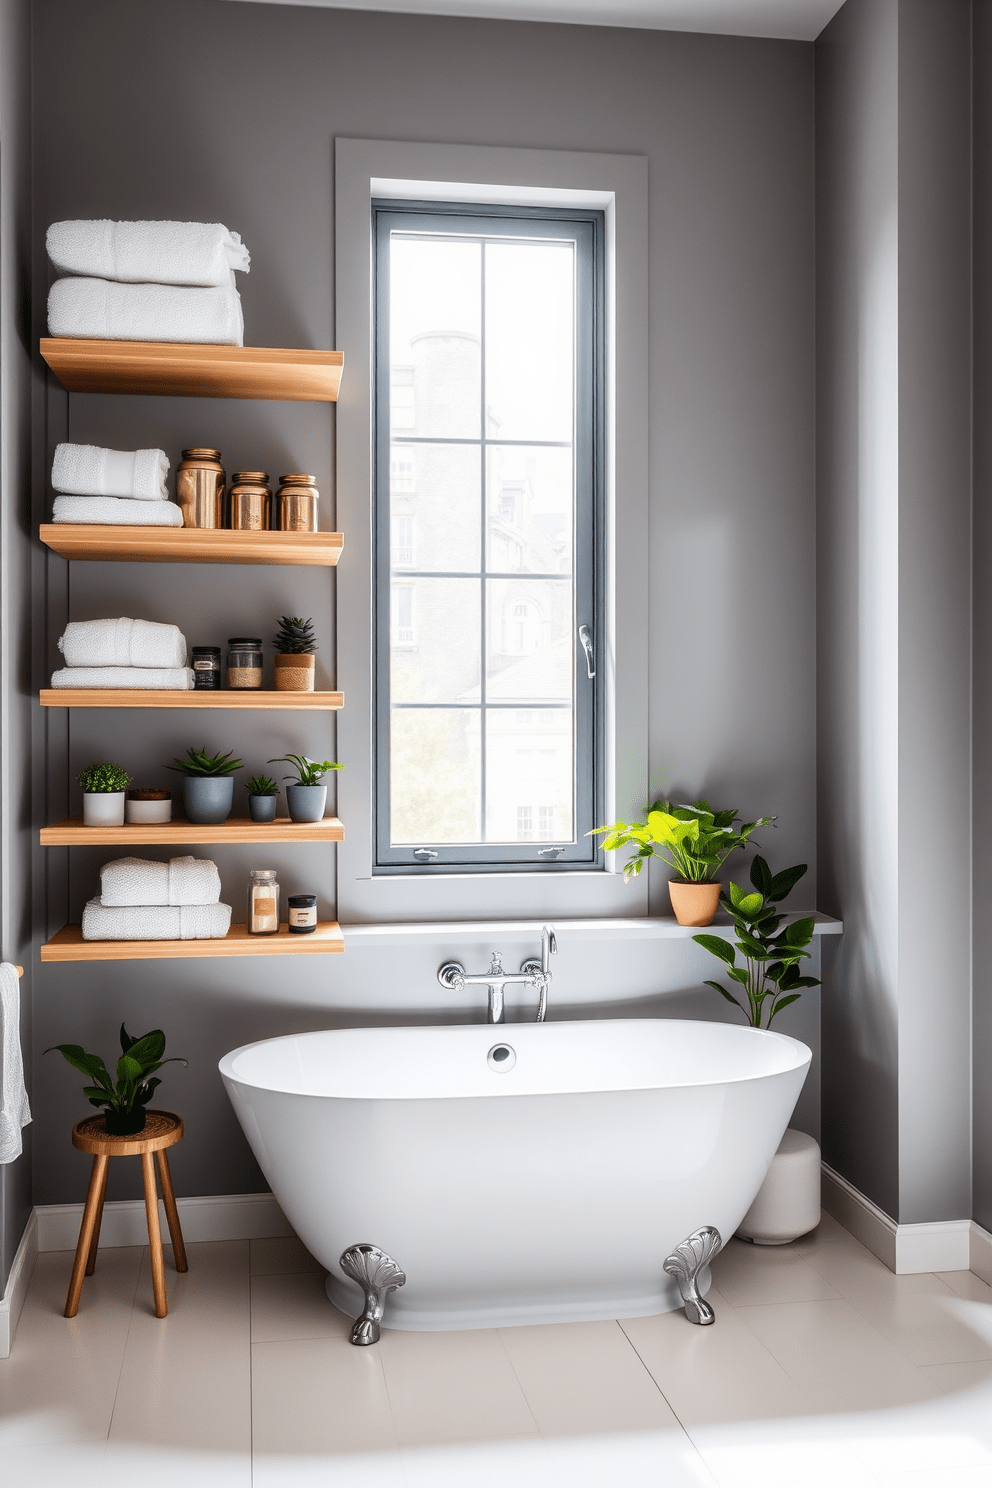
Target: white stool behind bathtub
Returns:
[[788, 1202]]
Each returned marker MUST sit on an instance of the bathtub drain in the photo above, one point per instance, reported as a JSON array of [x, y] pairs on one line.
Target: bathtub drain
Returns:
[[501, 1057]]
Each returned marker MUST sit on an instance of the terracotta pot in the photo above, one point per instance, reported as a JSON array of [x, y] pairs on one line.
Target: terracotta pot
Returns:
[[294, 673], [694, 903]]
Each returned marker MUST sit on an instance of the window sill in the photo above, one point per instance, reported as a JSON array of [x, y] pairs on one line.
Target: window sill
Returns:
[[357, 937]]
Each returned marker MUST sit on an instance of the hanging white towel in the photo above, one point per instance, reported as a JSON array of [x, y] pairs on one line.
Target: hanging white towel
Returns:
[[154, 679], [199, 253], [130, 881], [87, 470], [156, 921], [99, 310], [122, 643], [15, 1113], [115, 511]]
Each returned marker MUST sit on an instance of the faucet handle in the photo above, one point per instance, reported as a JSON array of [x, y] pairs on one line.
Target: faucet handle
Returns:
[[496, 963], [452, 975]]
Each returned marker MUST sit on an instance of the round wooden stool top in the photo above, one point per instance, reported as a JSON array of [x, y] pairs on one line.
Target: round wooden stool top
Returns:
[[161, 1129]]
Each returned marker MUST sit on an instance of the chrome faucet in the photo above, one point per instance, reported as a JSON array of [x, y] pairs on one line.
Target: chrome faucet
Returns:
[[532, 973]]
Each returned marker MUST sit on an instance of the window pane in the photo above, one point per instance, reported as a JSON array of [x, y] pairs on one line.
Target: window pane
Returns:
[[529, 504], [435, 337], [530, 315], [435, 499], [435, 775], [529, 775], [529, 651], [434, 638]]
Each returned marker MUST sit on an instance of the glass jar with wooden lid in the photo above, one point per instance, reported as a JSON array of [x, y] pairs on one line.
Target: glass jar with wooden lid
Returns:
[[251, 501], [200, 488], [298, 500]]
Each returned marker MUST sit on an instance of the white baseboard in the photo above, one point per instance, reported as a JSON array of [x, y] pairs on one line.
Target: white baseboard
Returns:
[[981, 1253], [946, 1245], [214, 1217], [17, 1284]]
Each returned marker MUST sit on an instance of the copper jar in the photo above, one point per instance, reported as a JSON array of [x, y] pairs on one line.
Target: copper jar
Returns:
[[298, 499], [200, 488], [251, 501]]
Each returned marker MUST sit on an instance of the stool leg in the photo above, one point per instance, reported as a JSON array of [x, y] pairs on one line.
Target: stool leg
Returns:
[[154, 1234], [95, 1242], [98, 1178], [171, 1212]]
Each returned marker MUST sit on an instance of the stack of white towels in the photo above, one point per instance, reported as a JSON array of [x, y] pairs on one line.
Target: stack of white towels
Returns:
[[178, 900], [118, 488], [147, 281], [123, 653]]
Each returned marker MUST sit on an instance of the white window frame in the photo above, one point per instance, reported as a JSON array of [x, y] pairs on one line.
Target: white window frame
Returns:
[[617, 184]]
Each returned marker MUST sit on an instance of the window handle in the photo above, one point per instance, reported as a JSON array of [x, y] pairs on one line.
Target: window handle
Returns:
[[424, 854], [585, 641], [550, 852]]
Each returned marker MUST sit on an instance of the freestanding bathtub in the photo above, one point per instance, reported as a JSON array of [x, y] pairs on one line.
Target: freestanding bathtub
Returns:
[[544, 1184]]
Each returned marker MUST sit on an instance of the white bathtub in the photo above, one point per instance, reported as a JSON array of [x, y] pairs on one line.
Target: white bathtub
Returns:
[[548, 1191]]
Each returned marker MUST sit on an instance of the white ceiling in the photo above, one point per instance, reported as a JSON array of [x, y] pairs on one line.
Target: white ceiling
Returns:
[[794, 20]]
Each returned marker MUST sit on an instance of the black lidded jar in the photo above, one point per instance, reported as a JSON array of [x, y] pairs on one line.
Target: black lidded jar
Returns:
[[206, 668], [302, 915]]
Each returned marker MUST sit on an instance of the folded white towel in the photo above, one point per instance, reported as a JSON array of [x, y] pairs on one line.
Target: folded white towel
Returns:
[[147, 252], [156, 921], [15, 1112], [86, 470], [180, 881], [100, 310], [115, 511], [151, 679], [122, 643]]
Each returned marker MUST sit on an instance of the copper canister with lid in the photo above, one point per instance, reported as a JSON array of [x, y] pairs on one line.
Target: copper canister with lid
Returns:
[[251, 501], [200, 488], [298, 499]]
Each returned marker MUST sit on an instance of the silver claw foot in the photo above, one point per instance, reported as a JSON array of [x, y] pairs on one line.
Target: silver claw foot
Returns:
[[376, 1274], [685, 1263]]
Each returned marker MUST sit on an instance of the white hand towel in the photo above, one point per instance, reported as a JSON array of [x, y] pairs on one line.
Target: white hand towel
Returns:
[[129, 881], [87, 470], [122, 643], [15, 1112], [115, 511], [147, 252], [151, 679], [97, 309], [156, 921]]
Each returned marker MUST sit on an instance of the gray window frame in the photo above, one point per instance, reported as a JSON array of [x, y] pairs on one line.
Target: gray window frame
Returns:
[[586, 227]]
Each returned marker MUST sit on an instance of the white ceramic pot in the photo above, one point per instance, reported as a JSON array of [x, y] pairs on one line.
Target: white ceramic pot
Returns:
[[141, 813], [787, 1204], [103, 808]]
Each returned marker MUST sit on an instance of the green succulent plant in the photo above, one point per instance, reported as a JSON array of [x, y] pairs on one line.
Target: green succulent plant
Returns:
[[308, 771], [104, 777], [261, 785], [140, 1057], [693, 840], [198, 762], [295, 637]]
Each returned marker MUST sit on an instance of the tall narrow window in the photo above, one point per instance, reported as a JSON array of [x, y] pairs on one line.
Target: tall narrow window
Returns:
[[489, 440]]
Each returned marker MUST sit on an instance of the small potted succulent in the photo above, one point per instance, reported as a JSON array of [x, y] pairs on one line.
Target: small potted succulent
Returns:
[[145, 805], [208, 790], [103, 794], [694, 840], [126, 1097], [307, 798], [294, 658], [263, 793]]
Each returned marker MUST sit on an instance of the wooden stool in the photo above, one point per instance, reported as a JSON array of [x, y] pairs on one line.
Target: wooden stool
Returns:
[[161, 1130]]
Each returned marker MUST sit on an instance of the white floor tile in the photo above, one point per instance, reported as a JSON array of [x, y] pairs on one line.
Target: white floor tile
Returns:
[[284, 1255], [453, 1387], [319, 1397], [930, 1327], [749, 1275], [79, 1463], [373, 1470], [294, 1306], [967, 1284]]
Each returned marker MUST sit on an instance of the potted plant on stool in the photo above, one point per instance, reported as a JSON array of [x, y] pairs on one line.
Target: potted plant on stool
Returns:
[[694, 840], [307, 798], [104, 786], [126, 1097], [263, 793], [208, 790], [295, 647]]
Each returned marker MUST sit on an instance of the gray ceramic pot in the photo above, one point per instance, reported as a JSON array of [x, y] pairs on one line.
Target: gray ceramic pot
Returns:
[[306, 802], [262, 808], [208, 798]]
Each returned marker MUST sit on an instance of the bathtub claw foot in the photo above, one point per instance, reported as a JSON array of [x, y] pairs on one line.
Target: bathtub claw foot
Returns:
[[377, 1274], [685, 1263]]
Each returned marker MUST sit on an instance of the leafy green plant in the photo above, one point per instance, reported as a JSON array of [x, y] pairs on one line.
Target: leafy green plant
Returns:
[[693, 840], [770, 974], [198, 762], [308, 771], [261, 785], [295, 637], [103, 777], [140, 1058]]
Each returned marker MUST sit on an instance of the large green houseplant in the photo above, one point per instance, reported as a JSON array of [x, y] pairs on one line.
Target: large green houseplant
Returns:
[[126, 1097]]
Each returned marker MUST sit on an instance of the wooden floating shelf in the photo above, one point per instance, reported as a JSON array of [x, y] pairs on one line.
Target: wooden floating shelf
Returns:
[[191, 545], [69, 945], [148, 697], [72, 833], [188, 371]]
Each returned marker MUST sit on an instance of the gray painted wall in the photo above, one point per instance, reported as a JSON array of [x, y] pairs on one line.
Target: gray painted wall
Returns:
[[215, 111], [15, 557], [894, 532]]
